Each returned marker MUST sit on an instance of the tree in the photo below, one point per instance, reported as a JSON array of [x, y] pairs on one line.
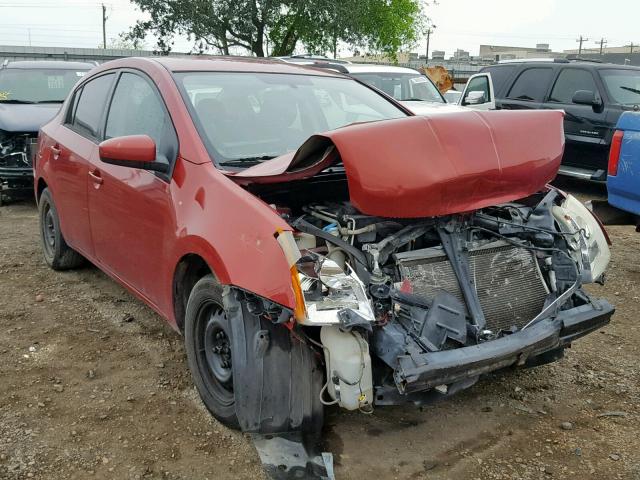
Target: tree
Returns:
[[270, 27]]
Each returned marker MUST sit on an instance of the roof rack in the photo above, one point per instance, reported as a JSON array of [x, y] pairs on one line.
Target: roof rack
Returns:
[[582, 59], [338, 67], [526, 60]]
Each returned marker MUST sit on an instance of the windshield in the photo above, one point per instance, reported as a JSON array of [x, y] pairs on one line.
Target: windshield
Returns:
[[403, 86], [245, 118], [623, 85], [18, 85]]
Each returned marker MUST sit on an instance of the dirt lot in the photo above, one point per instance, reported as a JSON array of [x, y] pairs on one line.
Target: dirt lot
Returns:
[[94, 385]]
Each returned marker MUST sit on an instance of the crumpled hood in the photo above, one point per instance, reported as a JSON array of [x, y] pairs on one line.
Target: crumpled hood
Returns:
[[425, 166], [26, 117]]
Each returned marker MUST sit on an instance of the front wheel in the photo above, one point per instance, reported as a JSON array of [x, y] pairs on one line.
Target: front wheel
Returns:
[[208, 346], [251, 373]]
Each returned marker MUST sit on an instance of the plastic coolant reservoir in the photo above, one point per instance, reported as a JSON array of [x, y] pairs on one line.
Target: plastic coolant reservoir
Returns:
[[347, 358]]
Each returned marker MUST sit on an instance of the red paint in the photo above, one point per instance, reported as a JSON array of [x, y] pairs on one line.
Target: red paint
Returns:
[[614, 152], [132, 148], [137, 226], [430, 166]]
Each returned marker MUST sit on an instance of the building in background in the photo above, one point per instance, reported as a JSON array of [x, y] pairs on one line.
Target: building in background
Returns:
[[495, 53]]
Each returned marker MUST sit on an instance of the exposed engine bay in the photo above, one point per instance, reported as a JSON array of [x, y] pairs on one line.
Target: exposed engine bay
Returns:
[[16, 159], [425, 306]]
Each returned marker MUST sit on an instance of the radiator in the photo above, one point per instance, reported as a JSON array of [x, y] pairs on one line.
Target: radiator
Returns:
[[508, 281]]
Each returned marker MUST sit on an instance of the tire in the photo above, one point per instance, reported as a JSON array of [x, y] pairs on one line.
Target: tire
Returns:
[[259, 379], [57, 254], [207, 343]]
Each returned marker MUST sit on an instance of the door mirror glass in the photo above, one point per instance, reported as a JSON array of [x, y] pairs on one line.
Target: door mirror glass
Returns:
[[135, 151], [585, 97], [474, 98]]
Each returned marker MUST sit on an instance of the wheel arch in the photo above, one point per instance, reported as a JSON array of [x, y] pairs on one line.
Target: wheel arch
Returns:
[[190, 268], [40, 186]]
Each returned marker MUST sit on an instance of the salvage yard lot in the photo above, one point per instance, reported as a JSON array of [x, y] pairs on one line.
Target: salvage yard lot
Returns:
[[94, 385]]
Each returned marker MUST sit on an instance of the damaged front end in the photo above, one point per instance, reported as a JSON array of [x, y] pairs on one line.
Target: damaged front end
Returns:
[[408, 310], [17, 151]]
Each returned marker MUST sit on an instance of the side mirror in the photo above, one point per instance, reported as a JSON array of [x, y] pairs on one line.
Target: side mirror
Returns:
[[474, 98], [134, 151], [586, 97]]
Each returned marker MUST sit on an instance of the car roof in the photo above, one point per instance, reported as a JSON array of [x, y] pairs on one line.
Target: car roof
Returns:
[[54, 64], [236, 64], [374, 68]]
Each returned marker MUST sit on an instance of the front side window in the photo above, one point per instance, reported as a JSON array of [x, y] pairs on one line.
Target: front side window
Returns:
[[37, 85], [403, 86], [531, 85], [569, 82], [136, 109], [623, 85], [91, 105], [245, 118]]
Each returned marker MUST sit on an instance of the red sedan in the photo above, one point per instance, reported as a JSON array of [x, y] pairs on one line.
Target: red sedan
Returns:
[[316, 243]]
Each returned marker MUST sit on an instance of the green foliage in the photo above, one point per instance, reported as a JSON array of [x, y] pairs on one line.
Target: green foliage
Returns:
[[271, 27]]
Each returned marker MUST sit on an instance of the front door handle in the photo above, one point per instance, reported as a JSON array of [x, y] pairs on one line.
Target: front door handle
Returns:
[[55, 150], [96, 177]]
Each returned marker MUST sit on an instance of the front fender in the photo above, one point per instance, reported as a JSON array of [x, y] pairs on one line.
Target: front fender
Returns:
[[233, 231]]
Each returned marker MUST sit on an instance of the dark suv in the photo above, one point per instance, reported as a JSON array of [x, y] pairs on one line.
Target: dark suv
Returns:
[[593, 95], [31, 93]]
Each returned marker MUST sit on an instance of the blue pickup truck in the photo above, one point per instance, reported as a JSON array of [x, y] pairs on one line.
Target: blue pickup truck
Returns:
[[623, 180]]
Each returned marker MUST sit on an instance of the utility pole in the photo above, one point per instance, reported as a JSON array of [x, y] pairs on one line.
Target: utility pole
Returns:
[[429, 32], [104, 27], [581, 40], [632, 46], [602, 43]]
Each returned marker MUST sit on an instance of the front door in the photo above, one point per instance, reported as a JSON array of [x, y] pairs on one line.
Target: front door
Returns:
[[130, 209]]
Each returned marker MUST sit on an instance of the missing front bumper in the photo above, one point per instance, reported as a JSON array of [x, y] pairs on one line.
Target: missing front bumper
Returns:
[[423, 371]]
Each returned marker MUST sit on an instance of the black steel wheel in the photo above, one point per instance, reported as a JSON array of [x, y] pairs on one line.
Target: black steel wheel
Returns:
[[57, 253], [208, 346]]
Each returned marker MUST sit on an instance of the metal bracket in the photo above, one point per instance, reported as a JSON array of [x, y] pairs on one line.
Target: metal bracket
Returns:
[[452, 244]]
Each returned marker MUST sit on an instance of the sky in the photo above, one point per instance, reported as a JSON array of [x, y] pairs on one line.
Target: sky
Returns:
[[461, 24]]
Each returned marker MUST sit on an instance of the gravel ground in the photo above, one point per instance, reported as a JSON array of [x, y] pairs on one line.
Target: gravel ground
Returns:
[[94, 385]]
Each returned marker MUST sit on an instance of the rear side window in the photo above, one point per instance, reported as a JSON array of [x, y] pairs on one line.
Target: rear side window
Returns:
[[569, 82], [91, 105], [499, 76], [531, 85], [136, 109]]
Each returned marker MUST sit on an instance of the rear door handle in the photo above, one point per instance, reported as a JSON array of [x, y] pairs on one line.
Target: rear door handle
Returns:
[[55, 150], [95, 177]]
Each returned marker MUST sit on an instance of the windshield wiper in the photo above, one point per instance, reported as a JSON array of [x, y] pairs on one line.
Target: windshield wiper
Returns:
[[248, 161], [13, 100], [630, 89], [49, 101]]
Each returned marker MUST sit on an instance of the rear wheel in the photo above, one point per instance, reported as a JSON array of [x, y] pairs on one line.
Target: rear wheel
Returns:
[[57, 253]]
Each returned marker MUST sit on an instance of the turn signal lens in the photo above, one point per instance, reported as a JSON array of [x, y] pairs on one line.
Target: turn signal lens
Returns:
[[300, 311]]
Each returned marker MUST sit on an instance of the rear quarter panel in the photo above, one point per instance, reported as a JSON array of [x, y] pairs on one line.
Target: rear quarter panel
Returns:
[[624, 188]]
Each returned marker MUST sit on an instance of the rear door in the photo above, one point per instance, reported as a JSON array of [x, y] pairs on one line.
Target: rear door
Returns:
[[73, 145], [529, 89], [130, 209], [479, 93], [585, 126]]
